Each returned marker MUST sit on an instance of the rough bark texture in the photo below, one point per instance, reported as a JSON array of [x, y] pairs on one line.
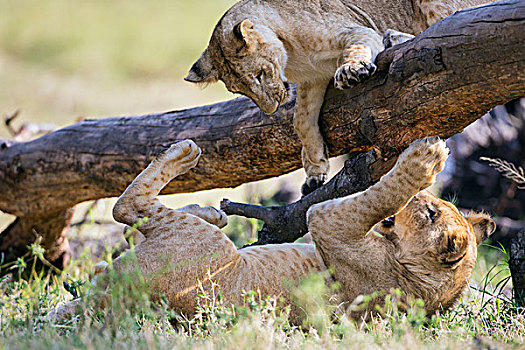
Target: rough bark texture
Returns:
[[24, 230], [286, 224], [437, 84], [517, 267]]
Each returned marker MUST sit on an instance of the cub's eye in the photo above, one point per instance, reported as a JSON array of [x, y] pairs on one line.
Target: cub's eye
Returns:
[[259, 77], [432, 213]]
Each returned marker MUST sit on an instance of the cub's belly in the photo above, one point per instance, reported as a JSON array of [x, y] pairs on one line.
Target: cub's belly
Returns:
[[272, 269], [269, 270]]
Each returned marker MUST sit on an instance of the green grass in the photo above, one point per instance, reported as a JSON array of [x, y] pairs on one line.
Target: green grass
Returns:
[[486, 314]]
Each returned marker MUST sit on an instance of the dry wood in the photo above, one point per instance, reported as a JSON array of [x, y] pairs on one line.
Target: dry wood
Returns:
[[286, 224], [437, 84], [27, 130]]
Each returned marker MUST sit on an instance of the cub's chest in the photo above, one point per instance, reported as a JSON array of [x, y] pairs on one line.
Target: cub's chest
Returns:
[[311, 57], [312, 65]]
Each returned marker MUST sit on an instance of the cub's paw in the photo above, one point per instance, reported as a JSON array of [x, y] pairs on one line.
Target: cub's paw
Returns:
[[423, 160], [312, 183], [209, 214], [214, 216], [183, 154], [393, 37], [350, 74]]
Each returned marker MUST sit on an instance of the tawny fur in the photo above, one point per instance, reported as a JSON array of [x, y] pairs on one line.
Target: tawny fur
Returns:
[[428, 252], [258, 46]]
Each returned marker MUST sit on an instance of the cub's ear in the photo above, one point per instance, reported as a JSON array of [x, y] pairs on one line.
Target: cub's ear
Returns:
[[482, 224], [202, 71], [245, 31], [453, 246]]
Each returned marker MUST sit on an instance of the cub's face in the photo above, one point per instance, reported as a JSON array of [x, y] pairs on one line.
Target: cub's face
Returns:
[[258, 76], [249, 59], [434, 229]]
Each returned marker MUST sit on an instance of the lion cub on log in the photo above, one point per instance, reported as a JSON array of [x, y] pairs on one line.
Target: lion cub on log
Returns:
[[258, 46], [393, 235]]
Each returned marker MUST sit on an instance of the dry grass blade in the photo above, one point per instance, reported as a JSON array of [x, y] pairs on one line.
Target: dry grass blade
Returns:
[[508, 170]]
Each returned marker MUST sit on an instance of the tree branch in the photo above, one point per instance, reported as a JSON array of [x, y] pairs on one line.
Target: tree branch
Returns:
[[288, 223]]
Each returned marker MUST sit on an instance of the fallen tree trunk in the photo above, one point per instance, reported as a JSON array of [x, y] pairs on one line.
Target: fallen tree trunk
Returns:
[[436, 84]]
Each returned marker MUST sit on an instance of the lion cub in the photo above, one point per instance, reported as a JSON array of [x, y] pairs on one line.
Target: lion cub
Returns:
[[258, 46], [393, 235]]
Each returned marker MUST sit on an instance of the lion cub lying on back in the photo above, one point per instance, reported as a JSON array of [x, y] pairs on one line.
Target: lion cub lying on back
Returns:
[[428, 249], [258, 46]]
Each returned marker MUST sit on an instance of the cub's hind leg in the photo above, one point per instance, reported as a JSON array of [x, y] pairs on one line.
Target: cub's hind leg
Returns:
[[139, 201], [209, 214], [184, 249]]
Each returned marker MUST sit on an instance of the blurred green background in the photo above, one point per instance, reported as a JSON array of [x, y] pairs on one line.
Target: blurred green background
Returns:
[[65, 59]]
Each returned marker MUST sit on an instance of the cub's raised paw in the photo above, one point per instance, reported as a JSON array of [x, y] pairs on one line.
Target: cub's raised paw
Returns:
[[423, 160], [183, 154], [350, 74], [312, 183]]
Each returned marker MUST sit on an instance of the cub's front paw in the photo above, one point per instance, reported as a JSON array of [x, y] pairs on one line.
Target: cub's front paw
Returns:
[[350, 74], [423, 160], [312, 183]]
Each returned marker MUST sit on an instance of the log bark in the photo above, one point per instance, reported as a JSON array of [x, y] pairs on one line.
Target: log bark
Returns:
[[53, 227], [285, 224], [436, 84], [517, 267]]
